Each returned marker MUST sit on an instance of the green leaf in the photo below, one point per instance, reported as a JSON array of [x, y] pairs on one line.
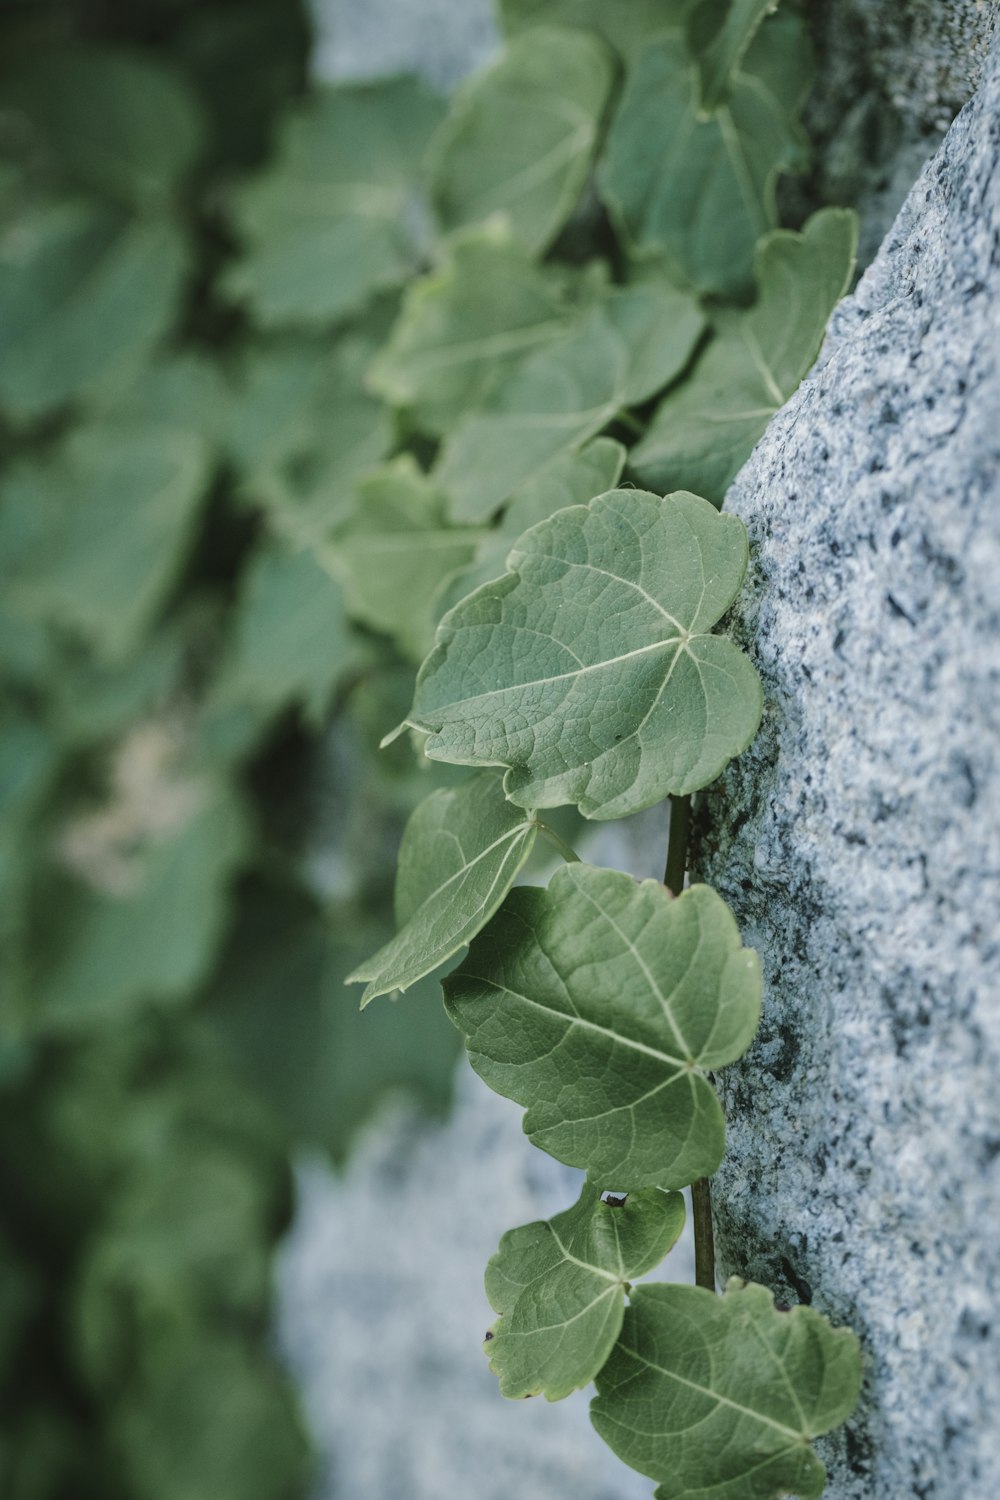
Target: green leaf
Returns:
[[719, 1397], [629, 346], [559, 1287], [467, 325], [84, 297], [336, 218], [302, 430], [598, 1004], [141, 141], [292, 641], [96, 529], [143, 932], [587, 669], [544, 100], [704, 430], [696, 185], [395, 553], [625, 25], [719, 32], [460, 853], [572, 479]]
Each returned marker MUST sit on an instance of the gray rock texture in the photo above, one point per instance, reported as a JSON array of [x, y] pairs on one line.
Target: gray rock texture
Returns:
[[859, 839], [442, 40]]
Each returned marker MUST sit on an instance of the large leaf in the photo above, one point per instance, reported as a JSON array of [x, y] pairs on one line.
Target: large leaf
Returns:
[[333, 220], [572, 479], [625, 25], [598, 1004], [587, 669], [95, 532], [520, 137], [395, 553], [466, 325], [628, 347], [698, 184], [719, 1397], [302, 429], [136, 146], [559, 1287], [460, 853], [292, 641], [84, 297], [705, 429]]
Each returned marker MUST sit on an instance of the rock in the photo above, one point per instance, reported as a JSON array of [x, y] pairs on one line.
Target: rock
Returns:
[[442, 40], [859, 839]]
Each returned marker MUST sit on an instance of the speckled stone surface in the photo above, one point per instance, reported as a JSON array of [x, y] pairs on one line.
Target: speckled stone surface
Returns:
[[859, 841]]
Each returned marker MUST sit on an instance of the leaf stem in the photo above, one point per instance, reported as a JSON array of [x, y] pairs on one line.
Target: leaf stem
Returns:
[[701, 1192], [704, 1234], [568, 853], [625, 417]]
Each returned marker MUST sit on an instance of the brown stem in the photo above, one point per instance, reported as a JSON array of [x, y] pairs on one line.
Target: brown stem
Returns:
[[704, 1237]]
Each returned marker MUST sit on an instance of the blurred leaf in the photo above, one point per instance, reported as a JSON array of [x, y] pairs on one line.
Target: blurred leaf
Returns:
[[336, 217], [698, 184], [292, 641], [137, 144], [102, 955], [625, 25], [85, 295], [466, 325], [599, 1003], [560, 1288], [96, 530], [720, 1396], [704, 430], [396, 552], [460, 854], [719, 33], [589, 669], [544, 99], [627, 348], [302, 430]]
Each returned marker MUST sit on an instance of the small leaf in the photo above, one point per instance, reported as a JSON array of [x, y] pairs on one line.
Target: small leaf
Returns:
[[719, 32], [572, 479], [544, 100], [142, 141], [586, 669], [85, 295], [629, 346], [704, 430], [719, 1397], [394, 554], [560, 1287], [700, 185], [465, 326], [461, 850], [332, 221], [626, 25], [597, 1003]]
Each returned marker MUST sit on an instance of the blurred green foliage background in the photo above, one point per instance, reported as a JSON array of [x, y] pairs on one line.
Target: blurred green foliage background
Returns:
[[186, 734]]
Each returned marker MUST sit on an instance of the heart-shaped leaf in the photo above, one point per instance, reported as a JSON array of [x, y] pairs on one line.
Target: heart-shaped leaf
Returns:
[[718, 1397], [587, 669], [461, 850], [559, 1287], [597, 1004], [332, 220], [699, 184], [544, 100], [719, 33], [704, 430], [465, 326]]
